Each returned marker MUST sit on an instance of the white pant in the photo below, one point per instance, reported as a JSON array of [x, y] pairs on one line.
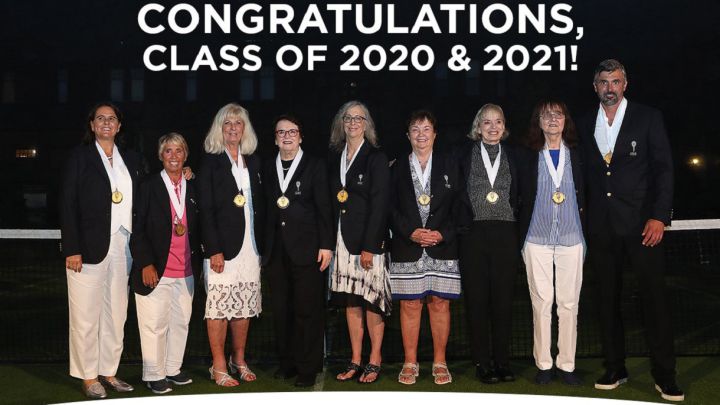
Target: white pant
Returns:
[[98, 300], [163, 318], [568, 268]]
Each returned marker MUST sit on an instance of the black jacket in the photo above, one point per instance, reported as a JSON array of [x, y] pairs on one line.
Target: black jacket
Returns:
[[363, 216], [153, 230], [222, 223], [446, 189], [305, 226], [638, 183], [85, 202], [527, 164]]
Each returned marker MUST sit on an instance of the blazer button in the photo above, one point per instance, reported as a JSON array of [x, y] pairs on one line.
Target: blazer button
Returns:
[[342, 211], [609, 194], [282, 223], [607, 173], [581, 210]]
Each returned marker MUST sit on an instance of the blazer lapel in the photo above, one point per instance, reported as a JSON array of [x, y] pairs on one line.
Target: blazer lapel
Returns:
[[293, 186], [622, 143], [163, 198], [437, 182], [94, 157]]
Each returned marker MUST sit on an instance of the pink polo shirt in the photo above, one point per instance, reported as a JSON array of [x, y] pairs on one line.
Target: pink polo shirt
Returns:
[[178, 262]]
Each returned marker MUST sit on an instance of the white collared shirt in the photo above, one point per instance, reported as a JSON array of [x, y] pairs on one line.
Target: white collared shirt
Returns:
[[605, 134]]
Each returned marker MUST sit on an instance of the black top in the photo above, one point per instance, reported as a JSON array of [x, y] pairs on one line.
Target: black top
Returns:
[[222, 222], [444, 209], [153, 230], [638, 183], [86, 203], [305, 225], [363, 216]]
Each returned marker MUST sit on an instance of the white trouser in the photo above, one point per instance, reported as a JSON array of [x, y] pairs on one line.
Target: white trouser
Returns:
[[568, 266], [98, 300], [163, 318]]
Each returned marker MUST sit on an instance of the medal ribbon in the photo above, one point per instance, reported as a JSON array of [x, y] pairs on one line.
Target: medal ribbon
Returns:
[[177, 199], [237, 172], [423, 176], [283, 181], [492, 170], [611, 132], [110, 169], [344, 167], [556, 174]]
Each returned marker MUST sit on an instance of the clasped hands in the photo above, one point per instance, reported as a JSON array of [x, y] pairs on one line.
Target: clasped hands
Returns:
[[426, 237]]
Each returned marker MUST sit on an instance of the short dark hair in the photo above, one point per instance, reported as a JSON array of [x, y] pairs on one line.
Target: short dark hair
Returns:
[[609, 65], [420, 115], [89, 136], [534, 138], [288, 117]]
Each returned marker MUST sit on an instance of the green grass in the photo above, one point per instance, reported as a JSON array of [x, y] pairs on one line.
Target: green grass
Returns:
[[698, 376]]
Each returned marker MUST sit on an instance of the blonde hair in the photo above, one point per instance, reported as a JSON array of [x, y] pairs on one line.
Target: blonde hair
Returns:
[[172, 137], [214, 142], [474, 134], [337, 131]]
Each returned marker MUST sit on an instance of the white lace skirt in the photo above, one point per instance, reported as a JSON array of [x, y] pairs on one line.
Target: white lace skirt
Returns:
[[234, 293]]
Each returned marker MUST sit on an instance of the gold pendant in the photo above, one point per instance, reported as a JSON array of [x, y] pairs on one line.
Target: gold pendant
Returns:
[[283, 202], [607, 158], [558, 197], [239, 200], [342, 195], [492, 197], [424, 199], [179, 229], [117, 197]]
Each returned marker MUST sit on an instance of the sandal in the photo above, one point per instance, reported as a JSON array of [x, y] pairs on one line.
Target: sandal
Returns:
[[370, 369], [246, 375], [354, 367], [441, 373], [410, 377], [225, 379]]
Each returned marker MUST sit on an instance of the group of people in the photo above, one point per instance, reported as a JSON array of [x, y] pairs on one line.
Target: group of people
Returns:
[[418, 230]]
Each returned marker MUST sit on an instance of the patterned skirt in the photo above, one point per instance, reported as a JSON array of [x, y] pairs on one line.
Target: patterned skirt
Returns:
[[234, 293], [427, 276]]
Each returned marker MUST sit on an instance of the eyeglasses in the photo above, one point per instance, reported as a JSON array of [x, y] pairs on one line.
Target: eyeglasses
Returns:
[[289, 133], [355, 119], [110, 119], [547, 116]]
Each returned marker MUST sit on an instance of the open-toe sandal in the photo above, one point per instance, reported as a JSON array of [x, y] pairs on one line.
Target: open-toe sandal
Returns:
[[350, 366], [222, 378], [441, 373], [246, 375], [409, 373], [370, 369]]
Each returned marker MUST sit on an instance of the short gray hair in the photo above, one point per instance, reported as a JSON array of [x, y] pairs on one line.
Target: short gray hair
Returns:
[[474, 135], [214, 142], [337, 131], [609, 65], [172, 137]]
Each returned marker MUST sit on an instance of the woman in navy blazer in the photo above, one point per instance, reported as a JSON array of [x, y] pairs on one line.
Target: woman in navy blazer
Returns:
[[232, 209], [165, 245], [298, 249], [359, 188], [425, 193], [96, 204]]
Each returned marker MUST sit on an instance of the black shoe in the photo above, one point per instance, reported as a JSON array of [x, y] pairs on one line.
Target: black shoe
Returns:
[[569, 377], [670, 391], [486, 375], [179, 379], [612, 379], [543, 377], [285, 373], [305, 380], [159, 386], [504, 373]]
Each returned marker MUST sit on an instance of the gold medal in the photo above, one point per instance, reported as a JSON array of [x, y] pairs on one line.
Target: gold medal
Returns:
[[558, 197], [117, 197], [424, 199], [239, 200], [492, 197], [179, 229], [283, 202], [342, 195], [607, 158]]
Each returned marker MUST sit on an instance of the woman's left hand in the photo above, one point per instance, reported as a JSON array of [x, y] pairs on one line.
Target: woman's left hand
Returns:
[[366, 259], [431, 238], [324, 256], [188, 173]]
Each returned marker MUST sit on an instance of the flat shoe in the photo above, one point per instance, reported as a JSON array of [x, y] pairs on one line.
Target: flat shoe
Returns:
[[411, 377], [370, 369], [94, 391], [116, 384], [350, 366], [441, 374]]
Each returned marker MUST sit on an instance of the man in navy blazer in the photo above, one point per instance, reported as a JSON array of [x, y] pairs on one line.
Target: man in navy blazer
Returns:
[[629, 178]]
